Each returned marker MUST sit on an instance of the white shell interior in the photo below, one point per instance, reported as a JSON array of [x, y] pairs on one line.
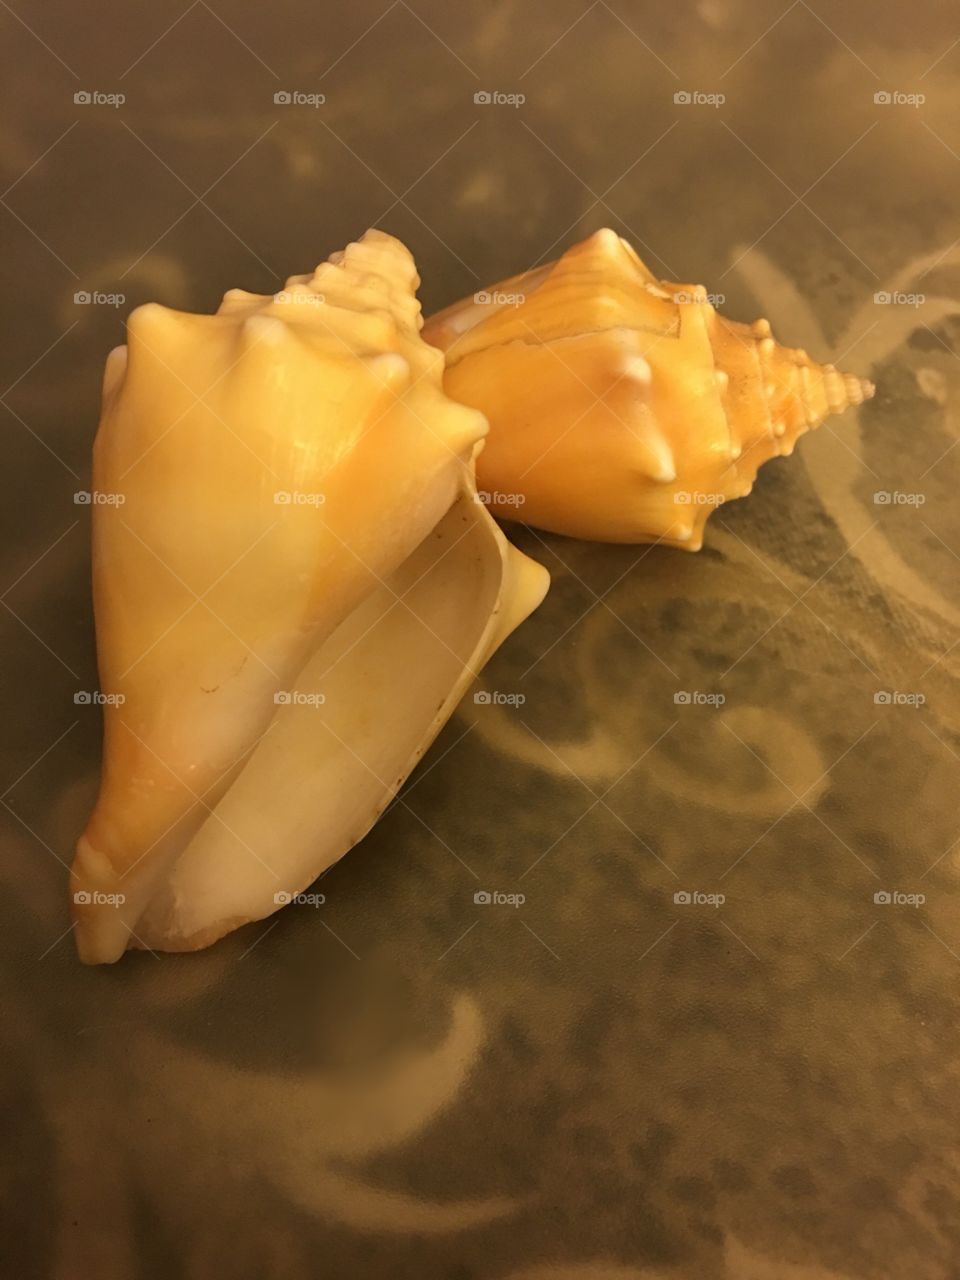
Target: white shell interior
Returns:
[[325, 770]]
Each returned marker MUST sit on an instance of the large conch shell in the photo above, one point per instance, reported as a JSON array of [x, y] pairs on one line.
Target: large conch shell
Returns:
[[294, 585], [623, 408]]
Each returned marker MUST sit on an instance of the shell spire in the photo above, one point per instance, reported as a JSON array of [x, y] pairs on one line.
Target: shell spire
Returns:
[[624, 408]]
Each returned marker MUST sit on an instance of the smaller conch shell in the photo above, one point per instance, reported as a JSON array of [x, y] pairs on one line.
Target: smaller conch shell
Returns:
[[623, 408], [294, 592]]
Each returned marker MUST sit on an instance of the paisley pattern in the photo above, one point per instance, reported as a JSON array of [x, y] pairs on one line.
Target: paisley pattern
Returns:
[[650, 972]]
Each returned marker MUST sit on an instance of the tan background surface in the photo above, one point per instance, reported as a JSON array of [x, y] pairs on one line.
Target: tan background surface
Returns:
[[601, 1083]]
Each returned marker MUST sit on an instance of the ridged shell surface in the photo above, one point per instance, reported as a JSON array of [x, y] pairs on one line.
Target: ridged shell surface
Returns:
[[275, 470], [624, 408]]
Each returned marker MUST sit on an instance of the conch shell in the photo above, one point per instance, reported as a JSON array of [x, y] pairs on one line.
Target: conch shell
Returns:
[[623, 408], [294, 584]]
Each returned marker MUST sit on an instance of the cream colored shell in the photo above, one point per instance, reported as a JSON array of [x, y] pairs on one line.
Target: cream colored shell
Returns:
[[292, 596], [623, 408]]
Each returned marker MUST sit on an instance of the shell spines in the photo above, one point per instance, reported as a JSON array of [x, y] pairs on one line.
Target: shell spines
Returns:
[[716, 398]]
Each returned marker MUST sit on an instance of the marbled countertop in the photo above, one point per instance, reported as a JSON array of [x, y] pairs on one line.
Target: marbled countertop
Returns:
[[603, 1083]]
